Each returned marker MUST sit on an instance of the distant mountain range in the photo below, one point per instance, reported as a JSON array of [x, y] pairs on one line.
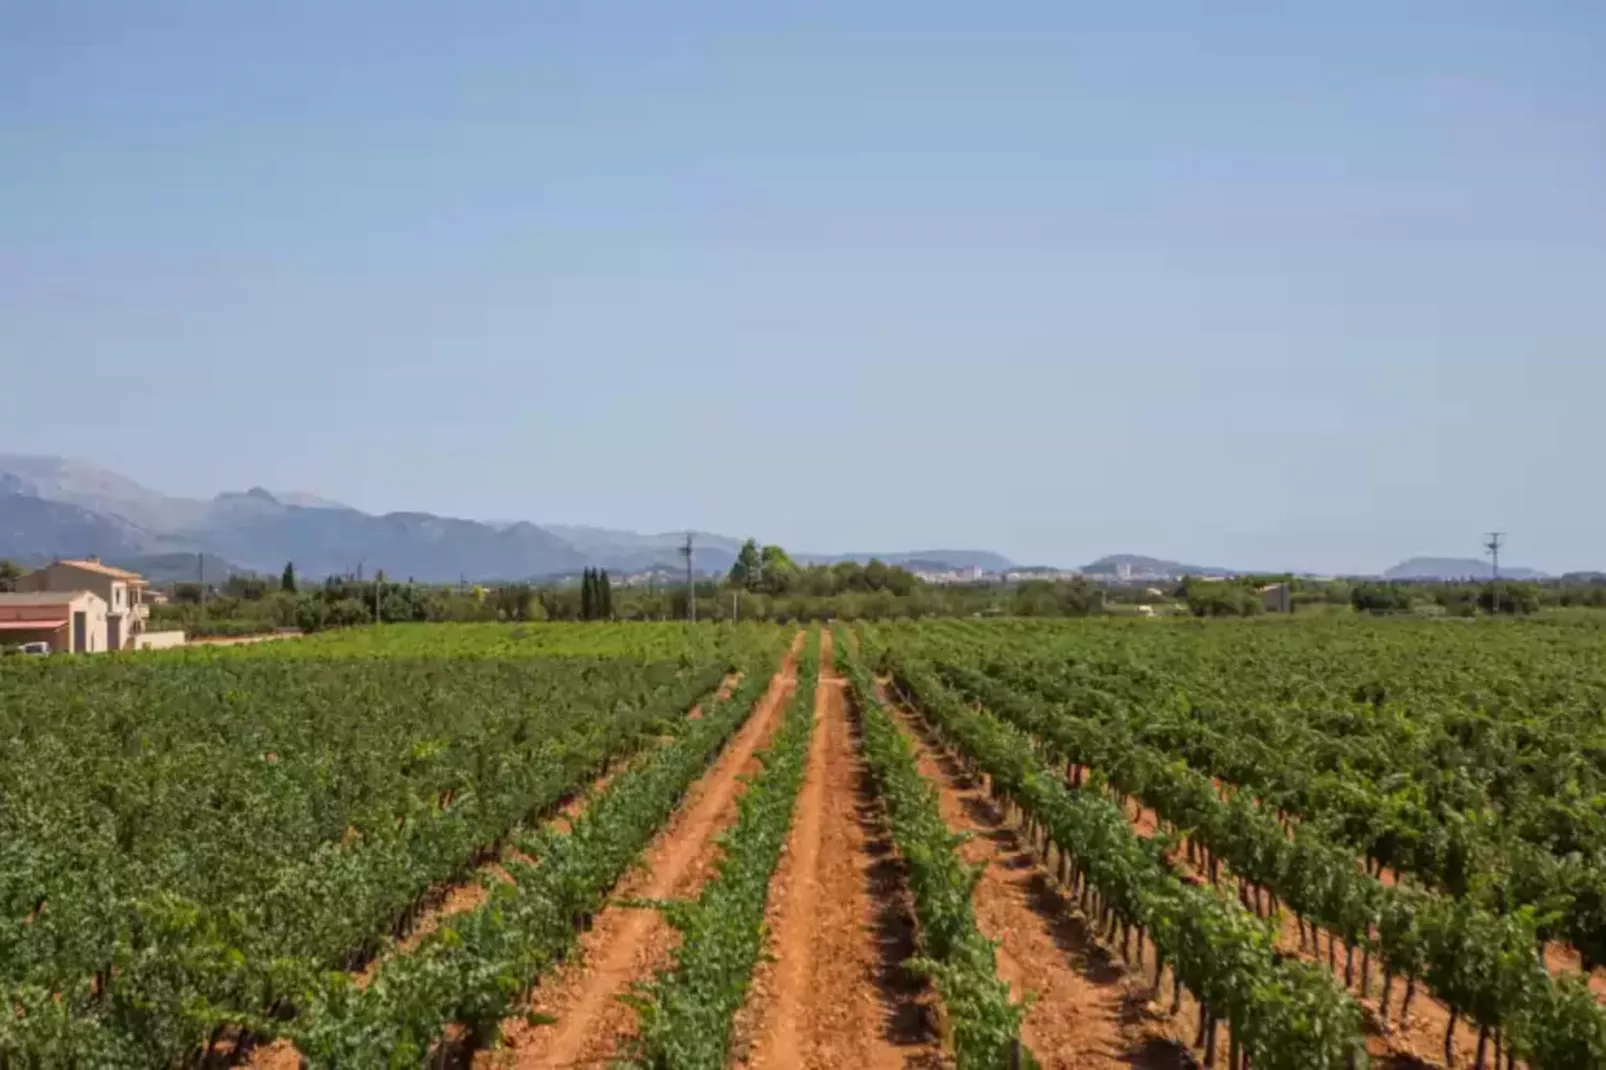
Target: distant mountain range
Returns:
[[54, 506], [1455, 568], [1119, 566]]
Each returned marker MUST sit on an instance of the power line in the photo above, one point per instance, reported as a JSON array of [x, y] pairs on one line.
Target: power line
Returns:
[[688, 551], [1496, 540]]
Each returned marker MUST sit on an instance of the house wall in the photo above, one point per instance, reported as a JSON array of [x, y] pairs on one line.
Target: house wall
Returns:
[[120, 597], [92, 606], [58, 638], [158, 640]]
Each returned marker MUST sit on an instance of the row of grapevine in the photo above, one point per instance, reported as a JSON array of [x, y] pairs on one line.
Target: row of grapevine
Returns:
[[984, 1023], [478, 968], [1505, 799], [685, 1013], [1479, 963], [1283, 1014], [187, 840]]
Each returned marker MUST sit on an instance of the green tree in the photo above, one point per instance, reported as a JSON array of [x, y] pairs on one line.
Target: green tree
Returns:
[[588, 595], [1221, 598], [1508, 596], [745, 569], [287, 582], [246, 588], [780, 571], [9, 575], [1380, 598], [605, 592]]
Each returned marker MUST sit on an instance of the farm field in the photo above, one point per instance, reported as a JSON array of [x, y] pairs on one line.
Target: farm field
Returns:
[[1075, 844]]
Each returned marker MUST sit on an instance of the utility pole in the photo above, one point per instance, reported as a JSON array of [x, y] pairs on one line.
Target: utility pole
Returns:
[[1496, 539], [688, 551]]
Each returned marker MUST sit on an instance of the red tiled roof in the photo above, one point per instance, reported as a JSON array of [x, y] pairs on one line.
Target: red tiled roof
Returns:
[[42, 598], [105, 570]]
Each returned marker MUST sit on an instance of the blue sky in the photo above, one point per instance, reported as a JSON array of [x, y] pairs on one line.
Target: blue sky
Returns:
[[1257, 284]]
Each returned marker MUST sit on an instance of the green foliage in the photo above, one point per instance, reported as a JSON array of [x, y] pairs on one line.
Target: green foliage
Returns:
[[596, 595], [1285, 1015], [209, 831], [686, 1011], [1381, 597], [287, 580], [1221, 598], [478, 968], [1045, 598], [1509, 596], [768, 569], [953, 952], [1368, 755], [746, 570]]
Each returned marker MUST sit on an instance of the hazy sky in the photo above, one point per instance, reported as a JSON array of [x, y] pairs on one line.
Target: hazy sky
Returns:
[[1318, 285]]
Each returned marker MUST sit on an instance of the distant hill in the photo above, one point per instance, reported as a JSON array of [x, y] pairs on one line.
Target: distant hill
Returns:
[[162, 569], [1139, 566], [1583, 577], [985, 560], [33, 527], [52, 506], [630, 552], [1455, 568], [63, 479], [305, 500]]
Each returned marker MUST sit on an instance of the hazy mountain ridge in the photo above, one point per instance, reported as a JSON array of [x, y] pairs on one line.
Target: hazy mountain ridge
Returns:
[[1138, 565], [1456, 568], [55, 506], [32, 527]]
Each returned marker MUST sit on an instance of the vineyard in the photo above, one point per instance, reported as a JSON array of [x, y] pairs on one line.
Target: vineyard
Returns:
[[1276, 844]]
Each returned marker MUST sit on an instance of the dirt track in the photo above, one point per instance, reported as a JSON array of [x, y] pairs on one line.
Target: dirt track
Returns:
[[585, 1021], [834, 995]]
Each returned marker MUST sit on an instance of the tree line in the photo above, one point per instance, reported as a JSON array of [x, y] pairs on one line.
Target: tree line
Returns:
[[766, 583]]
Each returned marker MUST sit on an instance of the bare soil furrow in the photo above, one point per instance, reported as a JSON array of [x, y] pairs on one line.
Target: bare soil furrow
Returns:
[[834, 995], [577, 1018], [467, 893], [1088, 1010]]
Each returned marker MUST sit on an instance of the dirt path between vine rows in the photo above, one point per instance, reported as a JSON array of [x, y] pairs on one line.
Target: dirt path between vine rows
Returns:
[[1090, 1011], [579, 1020], [834, 995], [470, 891]]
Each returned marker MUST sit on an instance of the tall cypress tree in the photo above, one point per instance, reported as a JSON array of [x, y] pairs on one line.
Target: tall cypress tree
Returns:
[[588, 595], [605, 588]]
